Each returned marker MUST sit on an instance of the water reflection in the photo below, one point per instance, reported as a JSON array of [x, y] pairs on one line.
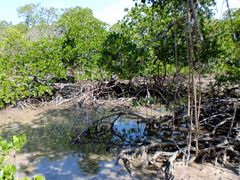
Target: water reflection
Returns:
[[132, 130], [49, 152], [73, 167]]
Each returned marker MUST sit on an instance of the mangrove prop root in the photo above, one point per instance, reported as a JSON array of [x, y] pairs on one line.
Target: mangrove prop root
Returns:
[[218, 137]]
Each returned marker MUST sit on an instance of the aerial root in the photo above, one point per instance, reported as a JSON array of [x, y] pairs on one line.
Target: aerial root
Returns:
[[218, 138]]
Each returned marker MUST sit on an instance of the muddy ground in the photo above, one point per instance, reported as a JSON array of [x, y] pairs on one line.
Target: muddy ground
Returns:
[[193, 171]]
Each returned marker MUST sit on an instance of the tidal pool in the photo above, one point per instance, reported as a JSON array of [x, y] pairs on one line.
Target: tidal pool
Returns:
[[48, 150]]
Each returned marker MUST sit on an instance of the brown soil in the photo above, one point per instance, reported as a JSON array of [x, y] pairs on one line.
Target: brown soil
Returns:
[[192, 172], [204, 171], [11, 115]]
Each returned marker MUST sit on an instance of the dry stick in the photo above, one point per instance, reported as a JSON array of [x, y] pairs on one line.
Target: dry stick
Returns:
[[213, 116], [197, 110], [176, 65], [220, 124], [189, 98], [191, 67], [199, 107], [159, 92], [188, 33], [194, 91], [226, 141], [196, 21], [200, 97], [233, 118], [195, 113]]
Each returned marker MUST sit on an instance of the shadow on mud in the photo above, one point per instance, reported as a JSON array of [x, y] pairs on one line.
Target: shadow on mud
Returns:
[[49, 152]]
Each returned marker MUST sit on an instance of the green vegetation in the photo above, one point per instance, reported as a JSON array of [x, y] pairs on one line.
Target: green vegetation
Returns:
[[7, 171], [52, 45], [229, 45], [81, 42], [155, 40]]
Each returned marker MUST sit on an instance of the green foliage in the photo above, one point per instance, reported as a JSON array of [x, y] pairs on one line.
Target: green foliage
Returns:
[[158, 35], [38, 53], [35, 178], [149, 41], [8, 171], [16, 143], [82, 40], [226, 63], [4, 25], [121, 56], [116, 28], [27, 68], [144, 29], [229, 45]]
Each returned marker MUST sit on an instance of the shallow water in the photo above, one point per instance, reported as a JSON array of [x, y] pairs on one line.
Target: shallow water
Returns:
[[48, 150]]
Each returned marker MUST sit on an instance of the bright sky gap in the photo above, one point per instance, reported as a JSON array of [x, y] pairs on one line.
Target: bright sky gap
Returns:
[[109, 11]]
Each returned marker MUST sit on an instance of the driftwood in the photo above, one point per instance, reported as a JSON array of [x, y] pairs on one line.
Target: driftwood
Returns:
[[90, 91], [167, 138]]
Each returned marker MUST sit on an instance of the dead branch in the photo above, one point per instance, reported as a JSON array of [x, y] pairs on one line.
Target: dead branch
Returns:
[[219, 138]]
